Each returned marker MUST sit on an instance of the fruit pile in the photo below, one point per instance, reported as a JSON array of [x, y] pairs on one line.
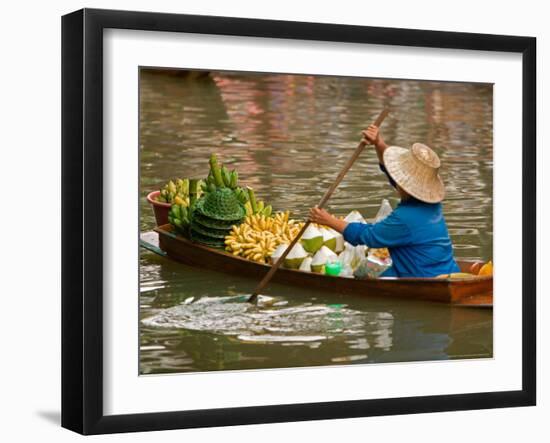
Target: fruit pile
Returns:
[[259, 235], [380, 253], [178, 192], [180, 211], [264, 239], [220, 177], [254, 206], [477, 269], [179, 217], [482, 269], [206, 210]]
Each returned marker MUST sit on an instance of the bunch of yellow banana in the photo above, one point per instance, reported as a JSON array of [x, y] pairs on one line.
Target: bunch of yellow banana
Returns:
[[258, 236]]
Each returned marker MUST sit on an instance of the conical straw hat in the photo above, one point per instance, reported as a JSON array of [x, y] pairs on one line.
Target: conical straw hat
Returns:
[[416, 170]]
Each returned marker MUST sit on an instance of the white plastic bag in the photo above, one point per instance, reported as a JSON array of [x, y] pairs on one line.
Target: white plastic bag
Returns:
[[346, 272], [355, 217], [351, 256], [359, 253], [345, 257], [384, 210]]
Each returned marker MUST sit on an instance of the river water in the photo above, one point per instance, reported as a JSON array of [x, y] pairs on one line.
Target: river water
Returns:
[[288, 136]]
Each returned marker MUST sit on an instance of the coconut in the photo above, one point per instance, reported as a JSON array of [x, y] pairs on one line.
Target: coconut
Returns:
[[295, 257], [333, 239], [306, 264], [339, 242], [312, 239], [329, 239], [318, 266], [355, 217], [320, 259], [329, 253], [278, 252]]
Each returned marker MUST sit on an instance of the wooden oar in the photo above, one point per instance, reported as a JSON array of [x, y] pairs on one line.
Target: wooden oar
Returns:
[[322, 203]]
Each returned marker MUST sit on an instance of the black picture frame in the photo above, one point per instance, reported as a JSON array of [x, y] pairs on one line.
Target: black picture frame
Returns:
[[82, 215]]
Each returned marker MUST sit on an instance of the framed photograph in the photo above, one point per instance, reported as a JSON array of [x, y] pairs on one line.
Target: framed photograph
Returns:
[[269, 221]]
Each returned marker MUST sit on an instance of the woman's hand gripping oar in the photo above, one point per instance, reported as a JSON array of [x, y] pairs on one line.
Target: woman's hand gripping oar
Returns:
[[253, 298]]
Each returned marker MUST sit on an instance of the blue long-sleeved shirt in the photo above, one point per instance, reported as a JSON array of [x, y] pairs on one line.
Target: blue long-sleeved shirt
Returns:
[[415, 234]]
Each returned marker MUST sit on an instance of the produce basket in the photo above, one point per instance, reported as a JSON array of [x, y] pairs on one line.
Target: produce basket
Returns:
[[160, 209]]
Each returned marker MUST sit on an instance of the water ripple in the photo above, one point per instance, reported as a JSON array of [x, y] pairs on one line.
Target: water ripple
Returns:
[[302, 323]]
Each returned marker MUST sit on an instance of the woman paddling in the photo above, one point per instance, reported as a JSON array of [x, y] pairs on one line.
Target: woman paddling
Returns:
[[415, 233]]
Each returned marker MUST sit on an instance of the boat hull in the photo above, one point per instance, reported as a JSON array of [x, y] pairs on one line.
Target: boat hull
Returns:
[[463, 292]]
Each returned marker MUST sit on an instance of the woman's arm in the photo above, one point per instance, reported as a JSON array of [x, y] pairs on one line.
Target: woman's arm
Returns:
[[322, 217], [390, 232], [372, 136]]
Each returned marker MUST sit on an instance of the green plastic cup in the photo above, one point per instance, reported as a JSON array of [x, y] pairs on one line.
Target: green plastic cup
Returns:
[[333, 268]]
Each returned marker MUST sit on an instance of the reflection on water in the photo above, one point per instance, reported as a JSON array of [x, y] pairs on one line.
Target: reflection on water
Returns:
[[288, 136]]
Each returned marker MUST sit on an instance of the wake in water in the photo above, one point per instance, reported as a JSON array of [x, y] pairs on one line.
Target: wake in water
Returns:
[[272, 321]]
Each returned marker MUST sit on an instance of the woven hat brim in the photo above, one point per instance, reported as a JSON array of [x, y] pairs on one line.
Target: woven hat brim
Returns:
[[412, 177]]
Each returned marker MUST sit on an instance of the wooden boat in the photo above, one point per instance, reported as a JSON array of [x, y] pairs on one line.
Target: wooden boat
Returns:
[[477, 291]]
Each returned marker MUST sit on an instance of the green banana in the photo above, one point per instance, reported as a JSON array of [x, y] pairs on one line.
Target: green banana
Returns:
[[234, 179], [183, 186], [241, 195], [195, 186], [172, 187], [164, 195], [252, 199], [216, 171], [175, 210], [226, 177], [179, 217], [175, 191]]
